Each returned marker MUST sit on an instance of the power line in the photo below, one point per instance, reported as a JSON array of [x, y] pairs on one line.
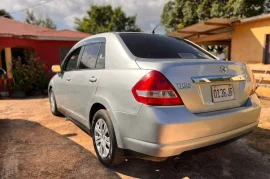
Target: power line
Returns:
[[34, 6]]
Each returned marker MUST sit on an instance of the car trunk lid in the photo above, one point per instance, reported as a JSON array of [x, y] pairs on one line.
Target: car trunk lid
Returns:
[[201, 83]]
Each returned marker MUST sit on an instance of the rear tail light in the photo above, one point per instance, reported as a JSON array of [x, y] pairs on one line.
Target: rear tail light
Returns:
[[155, 89]]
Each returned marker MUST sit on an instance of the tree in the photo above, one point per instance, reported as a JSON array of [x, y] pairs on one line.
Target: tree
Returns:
[[267, 6], [48, 22], [31, 19], [4, 13], [44, 22], [181, 13], [105, 19]]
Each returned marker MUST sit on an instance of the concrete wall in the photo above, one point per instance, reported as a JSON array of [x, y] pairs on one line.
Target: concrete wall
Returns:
[[248, 41]]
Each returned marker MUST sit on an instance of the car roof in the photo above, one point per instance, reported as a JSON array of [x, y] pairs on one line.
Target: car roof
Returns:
[[106, 35]]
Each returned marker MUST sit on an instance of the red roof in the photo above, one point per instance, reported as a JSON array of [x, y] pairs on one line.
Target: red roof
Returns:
[[9, 27]]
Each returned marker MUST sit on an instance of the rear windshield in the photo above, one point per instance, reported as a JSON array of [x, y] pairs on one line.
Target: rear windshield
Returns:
[[160, 46]]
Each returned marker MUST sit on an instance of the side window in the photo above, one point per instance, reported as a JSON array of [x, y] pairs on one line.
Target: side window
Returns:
[[63, 53], [72, 60], [89, 56], [101, 57]]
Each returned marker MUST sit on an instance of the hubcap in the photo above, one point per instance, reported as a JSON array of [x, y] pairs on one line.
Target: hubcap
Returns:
[[102, 138], [52, 102]]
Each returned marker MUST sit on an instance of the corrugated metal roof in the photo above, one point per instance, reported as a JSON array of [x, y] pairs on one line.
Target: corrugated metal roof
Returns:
[[255, 18], [9, 27], [209, 27], [213, 26]]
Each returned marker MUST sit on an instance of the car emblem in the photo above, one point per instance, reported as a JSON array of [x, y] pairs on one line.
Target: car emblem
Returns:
[[183, 85], [223, 69]]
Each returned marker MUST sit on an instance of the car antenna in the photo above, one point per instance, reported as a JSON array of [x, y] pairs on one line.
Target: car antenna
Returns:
[[153, 31]]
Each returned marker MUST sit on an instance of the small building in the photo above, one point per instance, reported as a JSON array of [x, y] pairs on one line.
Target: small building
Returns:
[[247, 40], [19, 40]]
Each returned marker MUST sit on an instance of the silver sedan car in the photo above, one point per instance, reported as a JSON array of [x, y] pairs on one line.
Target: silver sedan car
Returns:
[[152, 96]]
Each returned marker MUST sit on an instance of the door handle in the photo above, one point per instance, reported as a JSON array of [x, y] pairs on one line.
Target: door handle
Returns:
[[93, 79], [68, 79]]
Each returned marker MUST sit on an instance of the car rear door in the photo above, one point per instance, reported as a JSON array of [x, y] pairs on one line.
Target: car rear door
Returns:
[[86, 78]]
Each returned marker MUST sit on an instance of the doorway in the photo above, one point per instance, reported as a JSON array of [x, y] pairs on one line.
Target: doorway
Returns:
[[267, 50], [3, 60]]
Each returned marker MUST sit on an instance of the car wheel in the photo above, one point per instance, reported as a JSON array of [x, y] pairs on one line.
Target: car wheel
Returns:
[[53, 104], [104, 139]]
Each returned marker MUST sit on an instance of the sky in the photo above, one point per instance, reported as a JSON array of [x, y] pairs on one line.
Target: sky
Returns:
[[63, 12]]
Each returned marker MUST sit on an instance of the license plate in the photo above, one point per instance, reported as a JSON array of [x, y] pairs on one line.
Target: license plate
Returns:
[[222, 93]]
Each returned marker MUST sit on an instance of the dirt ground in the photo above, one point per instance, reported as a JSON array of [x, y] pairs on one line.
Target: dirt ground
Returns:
[[35, 144]]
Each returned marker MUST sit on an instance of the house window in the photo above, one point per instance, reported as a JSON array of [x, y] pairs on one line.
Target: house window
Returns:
[[22, 54], [63, 52]]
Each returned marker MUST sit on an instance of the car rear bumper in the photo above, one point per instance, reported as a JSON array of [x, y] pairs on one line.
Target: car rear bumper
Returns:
[[169, 131], [167, 150]]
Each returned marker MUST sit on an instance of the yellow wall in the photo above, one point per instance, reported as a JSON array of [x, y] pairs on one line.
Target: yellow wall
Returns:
[[248, 41], [8, 57]]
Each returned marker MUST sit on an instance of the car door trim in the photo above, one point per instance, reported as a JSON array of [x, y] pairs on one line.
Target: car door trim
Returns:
[[210, 79]]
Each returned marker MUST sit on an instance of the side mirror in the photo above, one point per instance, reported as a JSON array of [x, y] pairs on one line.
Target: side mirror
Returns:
[[56, 69]]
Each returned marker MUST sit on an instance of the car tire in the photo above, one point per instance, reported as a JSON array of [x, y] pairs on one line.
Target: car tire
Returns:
[[53, 104], [112, 155]]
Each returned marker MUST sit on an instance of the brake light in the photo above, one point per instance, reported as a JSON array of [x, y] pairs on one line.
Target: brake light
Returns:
[[155, 89]]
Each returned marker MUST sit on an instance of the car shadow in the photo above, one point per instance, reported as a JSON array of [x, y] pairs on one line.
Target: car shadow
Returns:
[[30, 150], [25, 98], [70, 135], [233, 159], [259, 139]]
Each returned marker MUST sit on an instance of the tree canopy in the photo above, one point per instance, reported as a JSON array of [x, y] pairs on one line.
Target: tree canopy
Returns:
[[105, 19], [181, 13], [4, 13], [44, 22]]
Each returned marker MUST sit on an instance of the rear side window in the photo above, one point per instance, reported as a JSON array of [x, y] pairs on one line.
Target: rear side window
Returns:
[[89, 56], [160, 46], [101, 57]]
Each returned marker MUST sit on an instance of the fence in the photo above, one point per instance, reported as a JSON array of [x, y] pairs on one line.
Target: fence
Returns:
[[262, 76]]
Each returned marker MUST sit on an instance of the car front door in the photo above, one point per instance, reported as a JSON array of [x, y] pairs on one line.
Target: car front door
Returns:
[[64, 80], [86, 78]]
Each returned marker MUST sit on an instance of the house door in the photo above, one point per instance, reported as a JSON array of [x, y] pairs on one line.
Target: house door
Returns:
[[3, 60], [267, 50]]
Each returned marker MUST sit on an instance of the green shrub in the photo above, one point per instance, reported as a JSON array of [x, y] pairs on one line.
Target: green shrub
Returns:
[[30, 76]]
